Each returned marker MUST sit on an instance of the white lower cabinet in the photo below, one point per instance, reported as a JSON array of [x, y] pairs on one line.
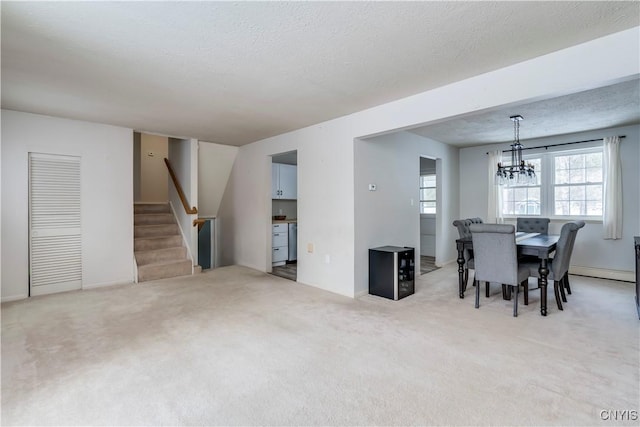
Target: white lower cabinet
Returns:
[[279, 244], [279, 256]]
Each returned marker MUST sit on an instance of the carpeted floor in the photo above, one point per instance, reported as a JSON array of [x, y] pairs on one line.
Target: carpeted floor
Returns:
[[233, 346], [290, 271]]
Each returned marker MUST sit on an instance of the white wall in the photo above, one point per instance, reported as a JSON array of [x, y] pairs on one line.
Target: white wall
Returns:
[[137, 147], [326, 193], [325, 207], [390, 215], [591, 250], [107, 196], [183, 156], [153, 171], [1, 216], [214, 167]]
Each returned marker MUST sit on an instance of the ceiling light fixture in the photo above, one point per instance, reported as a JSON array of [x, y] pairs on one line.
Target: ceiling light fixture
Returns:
[[516, 173]]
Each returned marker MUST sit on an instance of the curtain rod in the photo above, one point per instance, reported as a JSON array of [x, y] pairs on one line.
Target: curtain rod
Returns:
[[564, 143]]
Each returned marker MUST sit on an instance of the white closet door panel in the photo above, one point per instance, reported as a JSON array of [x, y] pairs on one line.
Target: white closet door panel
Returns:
[[55, 223]]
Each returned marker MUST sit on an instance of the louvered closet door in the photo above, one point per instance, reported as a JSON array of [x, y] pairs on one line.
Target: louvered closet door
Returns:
[[55, 248]]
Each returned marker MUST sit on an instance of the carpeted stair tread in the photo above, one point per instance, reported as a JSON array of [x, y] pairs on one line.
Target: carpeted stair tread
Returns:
[[159, 250], [161, 255], [162, 270], [157, 230], [156, 242], [142, 208], [153, 218]]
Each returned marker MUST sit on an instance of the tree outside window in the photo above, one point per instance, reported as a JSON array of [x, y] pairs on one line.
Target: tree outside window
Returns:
[[524, 199], [578, 184]]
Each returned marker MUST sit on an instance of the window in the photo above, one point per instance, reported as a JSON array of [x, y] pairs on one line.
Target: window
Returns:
[[428, 194], [524, 199], [568, 184], [577, 186]]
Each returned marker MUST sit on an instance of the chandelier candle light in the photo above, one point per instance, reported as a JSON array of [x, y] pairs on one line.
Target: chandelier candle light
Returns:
[[517, 173]]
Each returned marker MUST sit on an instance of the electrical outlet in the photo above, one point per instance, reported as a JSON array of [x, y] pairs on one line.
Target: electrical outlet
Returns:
[[372, 187]]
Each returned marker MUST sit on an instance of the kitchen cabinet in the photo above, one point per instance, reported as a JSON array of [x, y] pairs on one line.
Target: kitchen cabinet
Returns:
[[284, 181], [280, 244]]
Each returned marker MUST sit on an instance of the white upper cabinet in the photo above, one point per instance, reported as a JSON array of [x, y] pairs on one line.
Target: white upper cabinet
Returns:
[[284, 181], [275, 184]]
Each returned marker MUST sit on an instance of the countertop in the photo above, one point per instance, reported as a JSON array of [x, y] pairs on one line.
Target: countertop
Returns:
[[284, 221]]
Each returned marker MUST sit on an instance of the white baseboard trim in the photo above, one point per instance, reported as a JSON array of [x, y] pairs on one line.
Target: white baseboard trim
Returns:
[[135, 268], [102, 285], [333, 291], [453, 261], [361, 294], [14, 298], [84, 287], [603, 273]]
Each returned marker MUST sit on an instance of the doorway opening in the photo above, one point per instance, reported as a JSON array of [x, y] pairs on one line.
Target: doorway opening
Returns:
[[150, 178], [429, 185], [284, 215]]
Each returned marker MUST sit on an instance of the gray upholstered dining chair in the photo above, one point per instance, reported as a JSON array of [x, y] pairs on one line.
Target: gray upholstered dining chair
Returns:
[[533, 225], [559, 265], [463, 230], [579, 224], [496, 258]]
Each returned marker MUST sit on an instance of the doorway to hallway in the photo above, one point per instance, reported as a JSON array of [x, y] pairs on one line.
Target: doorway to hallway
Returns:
[[284, 215], [428, 214]]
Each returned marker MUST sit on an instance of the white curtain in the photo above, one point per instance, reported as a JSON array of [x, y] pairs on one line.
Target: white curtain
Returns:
[[494, 213], [612, 197]]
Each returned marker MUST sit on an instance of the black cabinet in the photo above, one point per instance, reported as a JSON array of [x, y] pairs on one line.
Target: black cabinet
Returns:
[[637, 246], [391, 272]]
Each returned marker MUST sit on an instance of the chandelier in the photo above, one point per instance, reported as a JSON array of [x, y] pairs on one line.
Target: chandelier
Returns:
[[516, 173]]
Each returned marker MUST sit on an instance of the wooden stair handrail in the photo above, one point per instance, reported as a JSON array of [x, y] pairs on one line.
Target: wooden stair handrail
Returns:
[[183, 199]]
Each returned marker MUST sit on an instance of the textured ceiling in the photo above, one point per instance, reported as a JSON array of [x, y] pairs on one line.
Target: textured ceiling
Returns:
[[237, 72], [609, 106]]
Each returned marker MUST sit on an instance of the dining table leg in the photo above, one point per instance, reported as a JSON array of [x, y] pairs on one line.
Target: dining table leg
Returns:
[[544, 271], [461, 272]]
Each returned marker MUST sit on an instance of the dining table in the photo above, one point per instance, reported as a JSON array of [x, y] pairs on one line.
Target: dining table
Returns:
[[535, 244]]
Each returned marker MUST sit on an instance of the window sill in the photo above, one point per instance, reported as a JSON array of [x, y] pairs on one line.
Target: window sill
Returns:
[[557, 219]]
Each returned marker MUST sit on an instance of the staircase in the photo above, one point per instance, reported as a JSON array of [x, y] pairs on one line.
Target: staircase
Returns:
[[158, 245]]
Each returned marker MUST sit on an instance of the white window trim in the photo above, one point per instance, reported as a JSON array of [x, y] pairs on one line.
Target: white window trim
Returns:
[[420, 187]]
